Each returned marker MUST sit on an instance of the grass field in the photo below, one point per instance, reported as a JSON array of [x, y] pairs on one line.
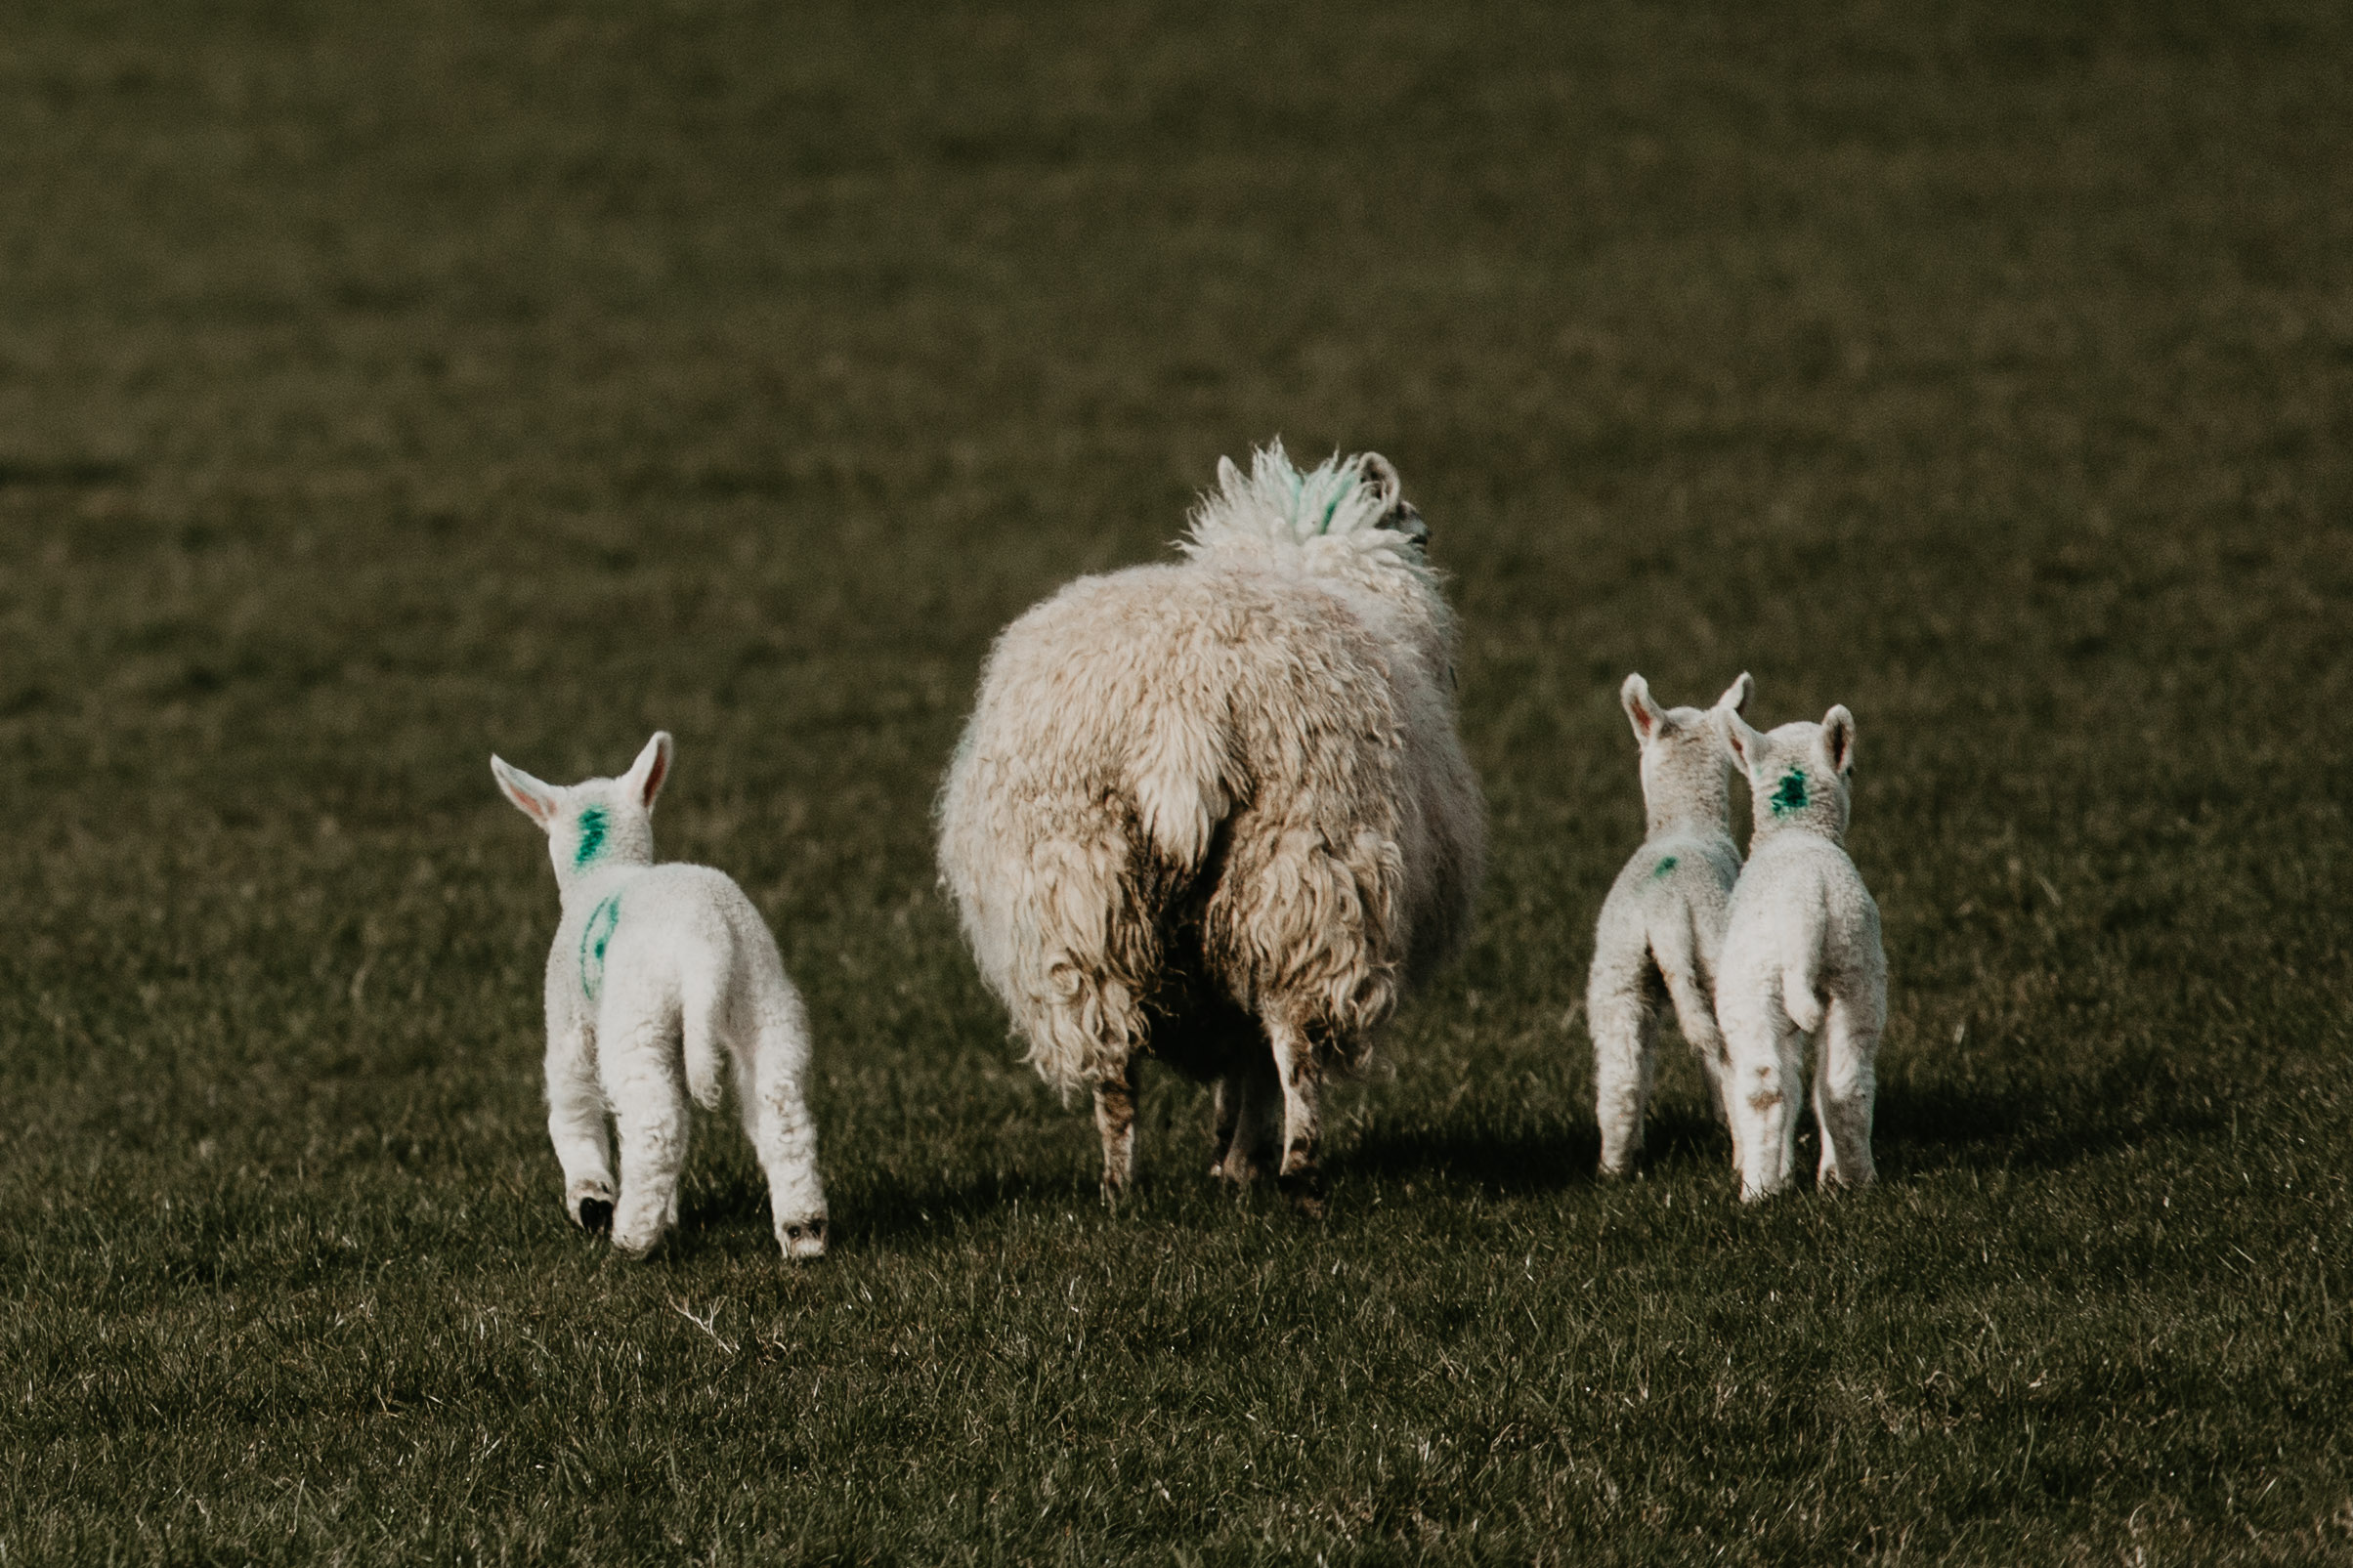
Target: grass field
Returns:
[[383, 384]]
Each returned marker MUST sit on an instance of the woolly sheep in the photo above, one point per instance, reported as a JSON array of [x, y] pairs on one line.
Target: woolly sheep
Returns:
[[1215, 810], [654, 970], [1801, 958], [1663, 921]]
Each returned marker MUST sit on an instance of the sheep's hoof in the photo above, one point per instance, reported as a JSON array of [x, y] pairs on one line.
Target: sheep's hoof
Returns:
[[1305, 1190], [596, 1216], [803, 1239]]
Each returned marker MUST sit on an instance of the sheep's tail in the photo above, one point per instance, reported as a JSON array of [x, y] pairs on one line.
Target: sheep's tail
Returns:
[[702, 995], [1801, 964]]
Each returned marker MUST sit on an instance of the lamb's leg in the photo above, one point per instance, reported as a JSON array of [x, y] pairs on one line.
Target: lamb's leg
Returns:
[[1624, 1027], [784, 1135], [575, 1124], [1114, 1119], [1249, 1110], [1695, 1015], [1845, 1087], [1765, 1076], [641, 1070], [1295, 1069]]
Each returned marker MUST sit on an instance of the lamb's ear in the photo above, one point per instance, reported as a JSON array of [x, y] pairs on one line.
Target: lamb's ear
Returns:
[[533, 799], [1377, 475], [643, 781], [1736, 696], [1643, 713], [1740, 738], [1838, 740]]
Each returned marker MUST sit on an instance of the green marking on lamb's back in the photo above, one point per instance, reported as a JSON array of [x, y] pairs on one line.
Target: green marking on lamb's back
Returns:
[[595, 938], [593, 823], [1666, 863], [1790, 794]]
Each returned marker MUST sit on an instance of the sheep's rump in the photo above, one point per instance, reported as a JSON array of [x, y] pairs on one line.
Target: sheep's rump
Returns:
[[1193, 794]]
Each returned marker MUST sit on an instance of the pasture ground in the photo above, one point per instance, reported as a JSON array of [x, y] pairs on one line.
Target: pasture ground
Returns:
[[382, 384]]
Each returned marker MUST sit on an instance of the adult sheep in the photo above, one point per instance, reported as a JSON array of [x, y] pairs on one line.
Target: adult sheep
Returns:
[[1215, 810]]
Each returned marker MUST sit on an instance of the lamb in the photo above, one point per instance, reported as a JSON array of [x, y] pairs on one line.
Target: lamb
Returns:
[[1663, 921], [653, 971], [1215, 810], [1801, 958]]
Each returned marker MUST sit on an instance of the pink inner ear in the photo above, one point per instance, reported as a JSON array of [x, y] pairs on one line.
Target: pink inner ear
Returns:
[[655, 775]]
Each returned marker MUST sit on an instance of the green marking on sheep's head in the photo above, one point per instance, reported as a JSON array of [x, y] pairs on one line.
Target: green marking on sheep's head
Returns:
[[594, 825], [595, 937], [1790, 793], [1666, 863]]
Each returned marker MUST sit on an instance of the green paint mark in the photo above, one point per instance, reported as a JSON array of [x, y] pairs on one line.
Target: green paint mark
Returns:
[[1332, 506], [594, 937], [592, 835], [1666, 863], [1792, 794]]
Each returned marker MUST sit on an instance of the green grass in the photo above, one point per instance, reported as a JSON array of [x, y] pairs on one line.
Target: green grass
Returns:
[[384, 384]]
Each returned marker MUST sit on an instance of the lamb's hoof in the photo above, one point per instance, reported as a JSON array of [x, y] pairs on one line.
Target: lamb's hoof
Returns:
[[596, 1216], [803, 1239]]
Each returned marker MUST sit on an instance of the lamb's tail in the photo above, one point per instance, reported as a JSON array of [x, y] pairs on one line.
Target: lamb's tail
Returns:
[[1801, 964], [703, 994]]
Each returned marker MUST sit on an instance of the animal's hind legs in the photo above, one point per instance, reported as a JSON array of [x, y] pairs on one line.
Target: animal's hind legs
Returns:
[[1114, 1119], [643, 1081], [1295, 1070], [1845, 1086], [575, 1124], [1624, 1028], [1249, 1110]]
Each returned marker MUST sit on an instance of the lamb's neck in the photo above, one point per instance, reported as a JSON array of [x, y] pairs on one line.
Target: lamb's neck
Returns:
[[1687, 821], [1805, 827], [586, 888]]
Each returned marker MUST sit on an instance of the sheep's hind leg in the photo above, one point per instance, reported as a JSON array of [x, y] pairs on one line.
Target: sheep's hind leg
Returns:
[[1295, 1070], [1114, 1119], [1766, 1073], [1249, 1127], [1845, 1086], [784, 1134], [643, 1081], [1624, 1025], [575, 1124]]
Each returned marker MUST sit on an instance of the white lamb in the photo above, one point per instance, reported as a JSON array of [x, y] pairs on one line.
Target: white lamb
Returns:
[[1217, 812], [654, 970], [1663, 921], [1801, 958]]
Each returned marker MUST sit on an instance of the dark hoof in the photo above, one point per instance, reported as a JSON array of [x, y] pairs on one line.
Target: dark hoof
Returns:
[[596, 1216], [1305, 1190]]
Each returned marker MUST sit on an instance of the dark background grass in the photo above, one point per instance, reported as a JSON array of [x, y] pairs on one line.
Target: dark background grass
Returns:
[[384, 384]]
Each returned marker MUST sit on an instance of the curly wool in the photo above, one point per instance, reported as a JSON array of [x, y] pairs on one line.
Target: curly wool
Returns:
[[1219, 792]]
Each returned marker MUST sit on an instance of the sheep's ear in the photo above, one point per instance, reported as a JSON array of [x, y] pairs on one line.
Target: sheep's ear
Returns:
[[1643, 713], [1736, 696], [1380, 476], [1838, 740], [1742, 740], [533, 799], [643, 780]]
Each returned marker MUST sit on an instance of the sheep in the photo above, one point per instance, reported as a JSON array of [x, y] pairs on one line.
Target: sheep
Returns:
[[656, 969], [1801, 958], [1215, 812], [1663, 921]]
